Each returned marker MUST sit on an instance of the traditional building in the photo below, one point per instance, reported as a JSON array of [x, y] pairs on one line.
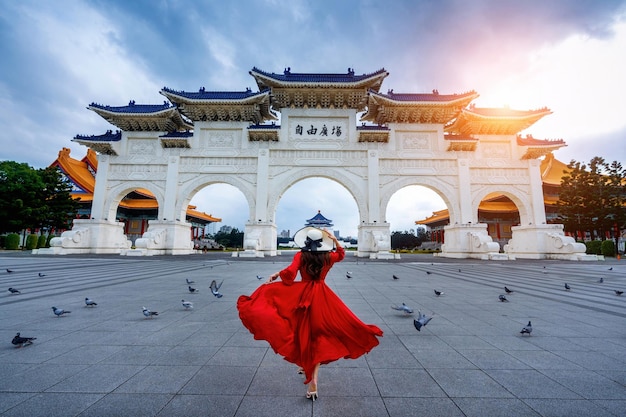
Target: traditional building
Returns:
[[319, 221], [134, 210], [441, 141], [499, 212]]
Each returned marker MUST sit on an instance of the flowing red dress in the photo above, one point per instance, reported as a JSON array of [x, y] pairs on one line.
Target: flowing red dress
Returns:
[[305, 321]]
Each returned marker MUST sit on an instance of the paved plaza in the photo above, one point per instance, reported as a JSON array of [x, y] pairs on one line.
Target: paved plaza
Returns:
[[470, 360]]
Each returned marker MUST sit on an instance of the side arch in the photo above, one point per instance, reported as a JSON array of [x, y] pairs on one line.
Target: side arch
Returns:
[[187, 192], [118, 192], [443, 190], [518, 197]]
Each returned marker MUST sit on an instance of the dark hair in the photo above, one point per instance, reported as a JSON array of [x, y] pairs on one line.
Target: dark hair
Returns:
[[314, 262]]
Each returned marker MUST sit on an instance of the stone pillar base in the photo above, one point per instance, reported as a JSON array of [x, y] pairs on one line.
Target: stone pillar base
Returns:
[[545, 241], [90, 236], [375, 241], [259, 240], [470, 241], [164, 238]]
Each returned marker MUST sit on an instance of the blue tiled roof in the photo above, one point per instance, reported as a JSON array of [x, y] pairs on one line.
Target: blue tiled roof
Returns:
[[202, 94], [265, 127], [134, 108], [319, 219], [109, 136], [185, 134], [372, 127], [288, 76], [434, 96]]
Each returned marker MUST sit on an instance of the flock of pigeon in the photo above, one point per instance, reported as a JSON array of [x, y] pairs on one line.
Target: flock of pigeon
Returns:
[[422, 319], [20, 341]]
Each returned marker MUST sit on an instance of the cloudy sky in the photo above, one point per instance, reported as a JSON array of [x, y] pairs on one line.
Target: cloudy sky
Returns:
[[60, 56]]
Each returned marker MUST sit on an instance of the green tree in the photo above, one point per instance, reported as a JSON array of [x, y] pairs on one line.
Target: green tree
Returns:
[[31, 198], [592, 197], [58, 206], [19, 188], [232, 239], [407, 239]]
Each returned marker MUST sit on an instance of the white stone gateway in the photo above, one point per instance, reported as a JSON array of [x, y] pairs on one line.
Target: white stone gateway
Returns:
[[434, 140]]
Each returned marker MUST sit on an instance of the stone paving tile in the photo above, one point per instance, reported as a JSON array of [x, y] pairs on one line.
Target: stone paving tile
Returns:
[[423, 407], [202, 405], [556, 407], [53, 404], [128, 405], [470, 359], [500, 407]]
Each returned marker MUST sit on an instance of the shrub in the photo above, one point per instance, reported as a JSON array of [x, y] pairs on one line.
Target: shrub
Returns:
[[3, 240], [608, 247], [594, 247], [12, 241], [48, 239], [41, 241], [31, 241]]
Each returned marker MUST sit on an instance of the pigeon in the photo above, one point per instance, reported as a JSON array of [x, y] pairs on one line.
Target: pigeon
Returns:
[[59, 311], [9, 271], [20, 341], [611, 268], [428, 272], [527, 329], [438, 293], [404, 308], [601, 280], [187, 304], [502, 298], [421, 321], [507, 290], [41, 275], [193, 290], [395, 277], [215, 288], [348, 275], [149, 313], [567, 287], [89, 302], [618, 292], [14, 290], [259, 277], [189, 281]]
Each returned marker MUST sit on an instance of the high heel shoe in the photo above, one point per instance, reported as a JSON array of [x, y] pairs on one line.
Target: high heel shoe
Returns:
[[311, 393]]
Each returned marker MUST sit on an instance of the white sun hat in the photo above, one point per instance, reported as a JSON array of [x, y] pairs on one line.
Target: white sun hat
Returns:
[[313, 239]]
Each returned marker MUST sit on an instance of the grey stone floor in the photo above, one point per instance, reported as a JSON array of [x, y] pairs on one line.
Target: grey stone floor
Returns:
[[470, 360]]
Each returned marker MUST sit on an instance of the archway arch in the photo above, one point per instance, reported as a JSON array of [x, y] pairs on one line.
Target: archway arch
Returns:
[[306, 197], [117, 193]]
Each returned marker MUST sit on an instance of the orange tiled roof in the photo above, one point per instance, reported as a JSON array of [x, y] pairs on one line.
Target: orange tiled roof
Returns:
[[79, 173]]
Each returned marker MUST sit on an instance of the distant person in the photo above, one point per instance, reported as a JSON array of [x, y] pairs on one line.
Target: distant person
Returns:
[[305, 321]]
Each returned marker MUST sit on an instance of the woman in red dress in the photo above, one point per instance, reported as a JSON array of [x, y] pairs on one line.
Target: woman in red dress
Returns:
[[305, 321]]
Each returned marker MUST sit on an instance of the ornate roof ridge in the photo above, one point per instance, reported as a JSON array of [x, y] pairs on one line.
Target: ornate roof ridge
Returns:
[[108, 136], [203, 94], [414, 97], [529, 140], [504, 111], [133, 107], [288, 76]]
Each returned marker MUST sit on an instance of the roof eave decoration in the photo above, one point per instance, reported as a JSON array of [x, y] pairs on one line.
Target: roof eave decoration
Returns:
[[460, 143], [495, 121], [263, 133], [215, 106], [176, 139], [349, 80], [415, 108], [319, 91], [143, 117], [536, 148], [378, 134], [103, 144]]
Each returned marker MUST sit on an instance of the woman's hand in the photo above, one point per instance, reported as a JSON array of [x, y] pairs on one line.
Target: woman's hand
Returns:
[[273, 277]]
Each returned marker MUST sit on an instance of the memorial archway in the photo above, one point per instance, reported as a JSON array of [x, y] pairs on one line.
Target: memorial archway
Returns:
[[437, 140]]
